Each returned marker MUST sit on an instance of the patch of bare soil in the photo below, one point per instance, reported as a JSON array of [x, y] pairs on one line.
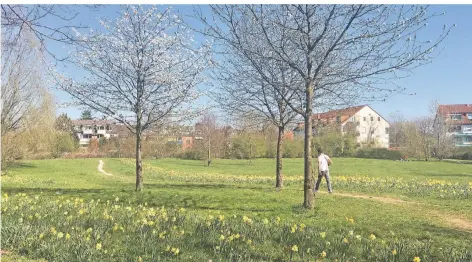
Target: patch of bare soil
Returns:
[[100, 168]]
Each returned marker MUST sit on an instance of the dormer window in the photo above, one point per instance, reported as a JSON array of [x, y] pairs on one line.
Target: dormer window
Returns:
[[456, 117]]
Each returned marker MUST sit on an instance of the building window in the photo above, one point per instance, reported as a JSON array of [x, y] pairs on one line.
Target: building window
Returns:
[[363, 130], [386, 130], [469, 116], [466, 129], [455, 129], [365, 119], [456, 117], [338, 119], [378, 118], [371, 118], [468, 139]]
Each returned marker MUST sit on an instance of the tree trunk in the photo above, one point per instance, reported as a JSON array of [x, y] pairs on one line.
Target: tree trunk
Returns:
[[309, 200], [279, 182], [139, 164]]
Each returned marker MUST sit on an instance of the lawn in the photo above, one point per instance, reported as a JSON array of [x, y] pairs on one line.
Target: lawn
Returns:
[[416, 208]]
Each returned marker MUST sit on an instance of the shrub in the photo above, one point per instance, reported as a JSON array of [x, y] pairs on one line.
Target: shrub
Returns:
[[379, 153], [192, 155], [293, 148], [335, 144], [462, 153]]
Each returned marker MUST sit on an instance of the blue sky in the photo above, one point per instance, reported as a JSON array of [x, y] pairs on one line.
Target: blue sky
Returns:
[[447, 79]]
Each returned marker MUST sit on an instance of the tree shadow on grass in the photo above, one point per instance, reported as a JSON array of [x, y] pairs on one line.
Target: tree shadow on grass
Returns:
[[56, 191], [204, 186], [19, 165]]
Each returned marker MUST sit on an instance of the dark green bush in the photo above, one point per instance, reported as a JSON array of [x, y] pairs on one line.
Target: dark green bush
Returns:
[[192, 155]]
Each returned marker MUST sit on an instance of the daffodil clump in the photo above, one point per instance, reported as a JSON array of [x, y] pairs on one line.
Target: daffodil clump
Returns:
[[74, 229]]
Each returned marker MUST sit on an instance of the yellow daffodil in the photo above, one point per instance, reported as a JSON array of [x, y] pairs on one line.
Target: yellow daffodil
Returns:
[[394, 252], [98, 246], [175, 251], [67, 236], [295, 248], [60, 235], [416, 259], [323, 254], [323, 234], [372, 237]]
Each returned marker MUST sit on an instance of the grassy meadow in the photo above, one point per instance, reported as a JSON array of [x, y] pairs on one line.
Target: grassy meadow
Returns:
[[65, 210]]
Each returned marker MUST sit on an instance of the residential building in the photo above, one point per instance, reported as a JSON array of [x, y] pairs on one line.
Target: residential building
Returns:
[[363, 121], [458, 117], [89, 129]]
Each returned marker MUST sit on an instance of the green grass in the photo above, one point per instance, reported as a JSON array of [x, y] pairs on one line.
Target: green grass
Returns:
[[240, 187]]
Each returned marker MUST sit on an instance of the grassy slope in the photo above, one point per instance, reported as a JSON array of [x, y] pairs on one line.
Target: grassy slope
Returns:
[[81, 178]]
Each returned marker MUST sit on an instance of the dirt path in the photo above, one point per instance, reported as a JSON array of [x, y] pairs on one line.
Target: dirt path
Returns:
[[452, 221], [100, 168]]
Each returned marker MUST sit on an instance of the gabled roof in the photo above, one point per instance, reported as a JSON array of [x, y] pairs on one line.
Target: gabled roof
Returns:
[[462, 109], [344, 113], [457, 108], [93, 122]]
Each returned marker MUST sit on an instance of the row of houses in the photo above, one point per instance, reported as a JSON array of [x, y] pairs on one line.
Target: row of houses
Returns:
[[363, 121]]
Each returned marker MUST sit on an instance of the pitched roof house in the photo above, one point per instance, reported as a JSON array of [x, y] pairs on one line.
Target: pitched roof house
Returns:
[[368, 124], [459, 116]]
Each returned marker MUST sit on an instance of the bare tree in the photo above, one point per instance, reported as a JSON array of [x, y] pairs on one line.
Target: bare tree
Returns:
[[425, 132], [141, 70], [372, 127], [444, 142], [210, 133], [397, 130], [241, 89], [341, 53]]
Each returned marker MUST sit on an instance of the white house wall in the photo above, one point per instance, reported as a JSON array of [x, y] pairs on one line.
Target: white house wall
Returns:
[[377, 126]]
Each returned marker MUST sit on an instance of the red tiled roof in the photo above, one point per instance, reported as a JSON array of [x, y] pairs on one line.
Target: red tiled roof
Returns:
[[457, 108], [344, 113], [92, 122], [462, 109]]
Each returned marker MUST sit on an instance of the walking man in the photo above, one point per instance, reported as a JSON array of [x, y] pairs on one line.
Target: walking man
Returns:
[[323, 170]]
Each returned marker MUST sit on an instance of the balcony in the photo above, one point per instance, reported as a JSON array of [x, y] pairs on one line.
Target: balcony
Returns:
[[84, 141], [87, 131]]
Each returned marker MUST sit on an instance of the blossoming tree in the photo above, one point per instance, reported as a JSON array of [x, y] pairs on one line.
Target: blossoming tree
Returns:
[[142, 70], [340, 53]]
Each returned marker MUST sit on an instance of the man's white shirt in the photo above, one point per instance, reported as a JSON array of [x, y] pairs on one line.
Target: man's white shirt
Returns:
[[323, 162]]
